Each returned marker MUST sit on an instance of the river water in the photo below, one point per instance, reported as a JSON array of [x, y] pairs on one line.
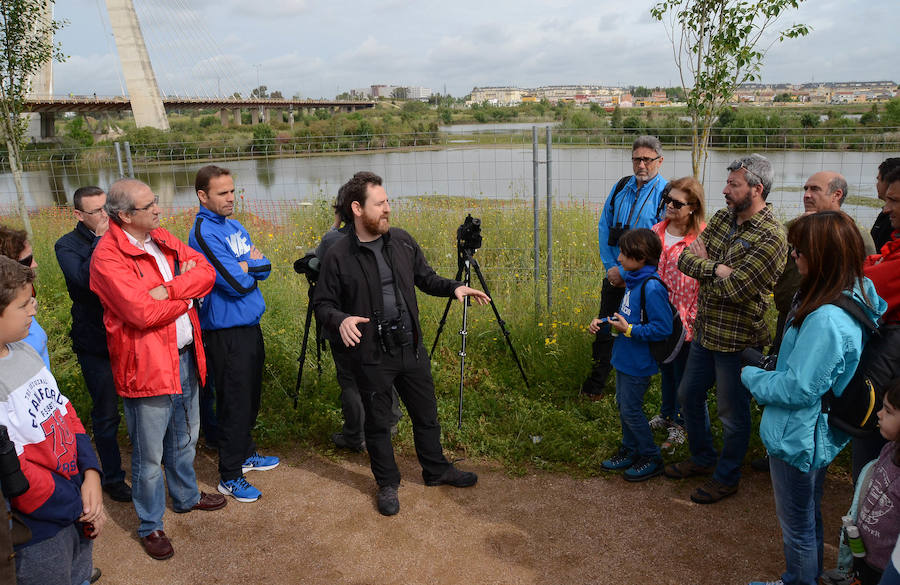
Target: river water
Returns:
[[505, 172]]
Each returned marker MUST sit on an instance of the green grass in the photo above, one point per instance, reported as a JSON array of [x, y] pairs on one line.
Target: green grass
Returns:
[[543, 426]]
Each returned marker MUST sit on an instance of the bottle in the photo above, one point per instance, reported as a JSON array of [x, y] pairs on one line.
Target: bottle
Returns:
[[854, 541], [612, 330]]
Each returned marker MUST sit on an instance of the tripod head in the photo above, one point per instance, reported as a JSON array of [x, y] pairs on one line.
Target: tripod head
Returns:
[[468, 238], [308, 266]]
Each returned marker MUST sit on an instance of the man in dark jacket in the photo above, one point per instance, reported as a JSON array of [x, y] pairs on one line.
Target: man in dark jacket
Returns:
[[366, 301], [73, 252]]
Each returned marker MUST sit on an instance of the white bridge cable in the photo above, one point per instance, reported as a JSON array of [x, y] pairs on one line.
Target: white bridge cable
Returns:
[[177, 40], [111, 47]]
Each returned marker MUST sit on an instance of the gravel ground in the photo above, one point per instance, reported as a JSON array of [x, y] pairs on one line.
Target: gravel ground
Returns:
[[317, 524]]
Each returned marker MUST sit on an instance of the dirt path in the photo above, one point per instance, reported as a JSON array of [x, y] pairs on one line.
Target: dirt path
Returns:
[[317, 524]]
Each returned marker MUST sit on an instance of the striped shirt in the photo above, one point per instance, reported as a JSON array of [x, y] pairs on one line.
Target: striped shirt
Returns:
[[731, 311]]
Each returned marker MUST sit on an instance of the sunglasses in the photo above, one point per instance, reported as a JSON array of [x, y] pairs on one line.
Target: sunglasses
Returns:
[[27, 260], [674, 202], [738, 165], [644, 159]]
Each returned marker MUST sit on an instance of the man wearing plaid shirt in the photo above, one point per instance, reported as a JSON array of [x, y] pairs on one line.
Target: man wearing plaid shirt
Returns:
[[737, 260]]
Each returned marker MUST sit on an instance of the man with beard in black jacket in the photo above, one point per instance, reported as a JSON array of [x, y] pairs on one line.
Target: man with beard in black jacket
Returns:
[[366, 301]]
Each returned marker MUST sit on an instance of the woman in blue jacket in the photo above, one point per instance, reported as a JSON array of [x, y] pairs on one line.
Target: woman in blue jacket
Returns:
[[820, 351]]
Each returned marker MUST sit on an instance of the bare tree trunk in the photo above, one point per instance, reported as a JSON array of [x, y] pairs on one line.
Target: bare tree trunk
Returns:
[[15, 165]]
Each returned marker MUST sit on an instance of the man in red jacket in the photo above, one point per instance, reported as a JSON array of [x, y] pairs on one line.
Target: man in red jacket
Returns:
[[146, 279]]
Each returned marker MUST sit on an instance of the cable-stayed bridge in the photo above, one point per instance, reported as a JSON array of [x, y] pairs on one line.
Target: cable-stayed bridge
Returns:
[[195, 56]]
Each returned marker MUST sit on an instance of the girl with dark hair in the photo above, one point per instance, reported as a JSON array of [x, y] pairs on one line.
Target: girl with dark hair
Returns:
[[14, 244], [820, 352]]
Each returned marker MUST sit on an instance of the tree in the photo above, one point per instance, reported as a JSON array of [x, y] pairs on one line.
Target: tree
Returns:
[[276, 95], [717, 45], [77, 131], [26, 44], [400, 93], [260, 92]]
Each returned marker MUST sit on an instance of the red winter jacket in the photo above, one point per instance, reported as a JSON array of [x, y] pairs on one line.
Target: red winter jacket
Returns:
[[884, 271], [140, 330]]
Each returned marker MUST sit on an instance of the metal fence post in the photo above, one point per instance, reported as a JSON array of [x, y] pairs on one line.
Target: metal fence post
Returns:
[[119, 159], [128, 159], [549, 219], [535, 164]]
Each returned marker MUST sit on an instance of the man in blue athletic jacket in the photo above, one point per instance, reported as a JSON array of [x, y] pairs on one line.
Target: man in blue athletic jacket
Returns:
[[229, 317]]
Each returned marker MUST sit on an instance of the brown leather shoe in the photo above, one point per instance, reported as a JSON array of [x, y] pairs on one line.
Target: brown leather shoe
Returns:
[[157, 545], [209, 502]]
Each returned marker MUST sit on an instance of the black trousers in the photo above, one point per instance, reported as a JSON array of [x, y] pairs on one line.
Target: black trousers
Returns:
[[409, 371], [236, 356], [351, 401], [105, 417], [601, 350]]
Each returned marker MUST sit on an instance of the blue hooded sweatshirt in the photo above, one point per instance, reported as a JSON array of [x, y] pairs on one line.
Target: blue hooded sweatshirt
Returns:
[[631, 355]]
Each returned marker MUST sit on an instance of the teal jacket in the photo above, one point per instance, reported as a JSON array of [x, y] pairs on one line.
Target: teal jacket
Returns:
[[822, 354]]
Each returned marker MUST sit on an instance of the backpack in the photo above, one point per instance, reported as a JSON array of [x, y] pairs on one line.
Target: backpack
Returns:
[[664, 350], [855, 410]]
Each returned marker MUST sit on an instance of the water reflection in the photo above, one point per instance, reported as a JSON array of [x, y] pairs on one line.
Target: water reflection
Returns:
[[580, 174]]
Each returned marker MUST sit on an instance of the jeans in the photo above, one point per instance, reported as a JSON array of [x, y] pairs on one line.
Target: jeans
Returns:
[[705, 368], [105, 417], [798, 497], [63, 559], [636, 434], [164, 429], [671, 374]]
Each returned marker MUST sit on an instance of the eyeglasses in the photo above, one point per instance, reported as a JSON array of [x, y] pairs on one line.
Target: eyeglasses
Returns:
[[95, 212], [793, 251], [149, 205], [674, 202], [27, 260], [738, 165], [644, 159]]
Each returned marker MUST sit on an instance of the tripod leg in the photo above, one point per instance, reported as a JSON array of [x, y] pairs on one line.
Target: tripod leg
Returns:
[[302, 358], [500, 320], [463, 333], [444, 316]]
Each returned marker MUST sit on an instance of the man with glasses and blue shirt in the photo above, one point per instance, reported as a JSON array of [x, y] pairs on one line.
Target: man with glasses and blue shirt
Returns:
[[73, 252], [632, 203], [146, 280], [736, 259]]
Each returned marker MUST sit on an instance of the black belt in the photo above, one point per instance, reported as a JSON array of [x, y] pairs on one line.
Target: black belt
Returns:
[[186, 348]]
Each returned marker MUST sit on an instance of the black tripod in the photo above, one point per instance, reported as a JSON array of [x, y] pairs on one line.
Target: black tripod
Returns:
[[309, 267], [466, 262]]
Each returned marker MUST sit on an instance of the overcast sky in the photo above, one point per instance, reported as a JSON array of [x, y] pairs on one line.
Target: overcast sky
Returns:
[[318, 49]]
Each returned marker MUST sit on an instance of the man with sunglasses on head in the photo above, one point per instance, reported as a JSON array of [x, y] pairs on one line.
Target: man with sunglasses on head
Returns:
[[736, 259], [73, 252], [146, 279], [632, 203]]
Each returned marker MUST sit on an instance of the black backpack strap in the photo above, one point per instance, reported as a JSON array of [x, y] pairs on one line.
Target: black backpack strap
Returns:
[[644, 319], [855, 311], [619, 186]]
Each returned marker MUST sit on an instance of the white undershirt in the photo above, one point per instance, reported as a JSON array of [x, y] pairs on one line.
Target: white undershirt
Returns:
[[672, 239], [183, 328]]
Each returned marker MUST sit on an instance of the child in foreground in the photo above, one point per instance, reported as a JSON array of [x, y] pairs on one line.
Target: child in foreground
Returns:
[[63, 505], [639, 252]]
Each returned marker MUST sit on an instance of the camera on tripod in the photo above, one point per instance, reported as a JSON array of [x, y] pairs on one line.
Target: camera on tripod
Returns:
[[393, 334], [468, 235], [308, 266]]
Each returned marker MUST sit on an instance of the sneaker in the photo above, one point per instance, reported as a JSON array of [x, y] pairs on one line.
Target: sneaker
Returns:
[[341, 441], [658, 422], [257, 462], [676, 437], [643, 469], [712, 491], [388, 502], [455, 477], [239, 489], [778, 582], [687, 468], [623, 459]]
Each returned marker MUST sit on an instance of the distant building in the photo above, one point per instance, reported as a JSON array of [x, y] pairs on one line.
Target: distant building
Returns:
[[418, 93]]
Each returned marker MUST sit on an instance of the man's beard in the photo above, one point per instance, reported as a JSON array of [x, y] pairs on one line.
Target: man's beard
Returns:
[[738, 206], [375, 225]]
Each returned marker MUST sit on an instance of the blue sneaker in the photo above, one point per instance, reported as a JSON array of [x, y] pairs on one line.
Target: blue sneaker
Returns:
[[623, 459], [239, 489], [257, 462], [778, 582], [644, 468]]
